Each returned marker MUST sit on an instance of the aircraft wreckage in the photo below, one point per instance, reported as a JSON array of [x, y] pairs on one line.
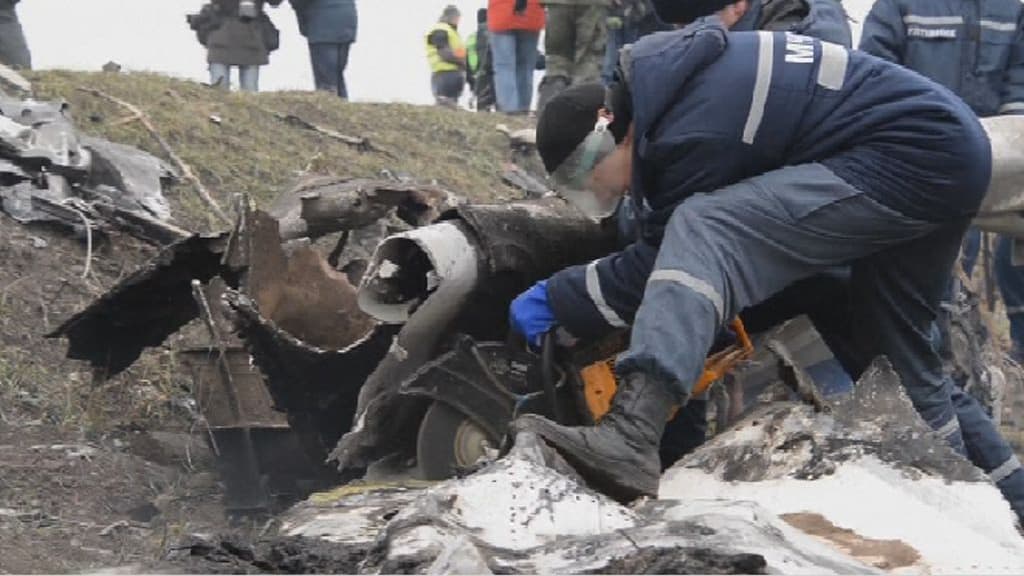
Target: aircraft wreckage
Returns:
[[388, 357]]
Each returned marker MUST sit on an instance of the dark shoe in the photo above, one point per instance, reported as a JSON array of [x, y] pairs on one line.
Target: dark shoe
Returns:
[[618, 456]]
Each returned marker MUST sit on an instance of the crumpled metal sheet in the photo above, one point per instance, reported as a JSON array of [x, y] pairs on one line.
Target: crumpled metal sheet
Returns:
[[51, 140], [535, 239], [300, 321], [317, 387], [133, 179], [145, 308], [865, 489], [320, 205], [44, 164], [26, 202], [457, 275]]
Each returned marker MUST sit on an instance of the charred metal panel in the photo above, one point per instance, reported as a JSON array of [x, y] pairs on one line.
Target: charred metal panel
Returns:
[[145, 308], [316, 387]]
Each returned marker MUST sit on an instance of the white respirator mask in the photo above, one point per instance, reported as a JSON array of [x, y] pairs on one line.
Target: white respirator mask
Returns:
[[571, 177]]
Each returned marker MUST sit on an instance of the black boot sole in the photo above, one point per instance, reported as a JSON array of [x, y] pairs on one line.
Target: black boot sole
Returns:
[[592, 467]]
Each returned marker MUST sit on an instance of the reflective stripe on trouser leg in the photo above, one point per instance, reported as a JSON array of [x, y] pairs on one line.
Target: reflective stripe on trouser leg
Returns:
[[988, 450], [1004, 470], [693, 283], [750, 240], [953, 435]]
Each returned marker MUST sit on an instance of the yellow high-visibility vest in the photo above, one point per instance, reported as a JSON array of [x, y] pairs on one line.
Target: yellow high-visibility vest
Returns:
[[438, 64]]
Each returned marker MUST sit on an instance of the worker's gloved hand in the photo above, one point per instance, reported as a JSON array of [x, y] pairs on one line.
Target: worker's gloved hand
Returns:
[[531, 314], [520, 7], [614, 23]]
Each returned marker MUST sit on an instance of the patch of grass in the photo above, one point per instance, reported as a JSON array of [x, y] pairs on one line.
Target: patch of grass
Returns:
[[250, 150]]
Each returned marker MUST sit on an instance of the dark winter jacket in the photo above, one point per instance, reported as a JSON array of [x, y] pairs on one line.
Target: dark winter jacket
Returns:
[[327, 21], [240, 41], [712, 108], [823, 19], [973, 47]]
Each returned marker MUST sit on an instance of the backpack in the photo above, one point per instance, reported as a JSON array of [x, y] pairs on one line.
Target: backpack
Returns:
[[271, 35], [205, 22]]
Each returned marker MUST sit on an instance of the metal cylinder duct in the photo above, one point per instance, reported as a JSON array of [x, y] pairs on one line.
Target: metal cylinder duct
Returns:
[[1002, 210], [407, 268]]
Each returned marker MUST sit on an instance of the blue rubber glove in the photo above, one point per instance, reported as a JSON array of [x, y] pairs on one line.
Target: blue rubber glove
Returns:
[[530, 313]]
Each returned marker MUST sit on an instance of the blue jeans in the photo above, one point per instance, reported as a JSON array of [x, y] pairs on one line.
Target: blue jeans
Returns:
[[515, 56], [447, 86], [617, 38], [1011, 286], [248, 77], [329, 62]]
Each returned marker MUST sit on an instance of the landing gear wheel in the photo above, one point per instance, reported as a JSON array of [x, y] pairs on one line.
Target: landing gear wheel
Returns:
[[449, 441]]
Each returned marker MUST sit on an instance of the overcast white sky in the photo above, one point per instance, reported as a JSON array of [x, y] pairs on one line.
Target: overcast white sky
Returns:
[[387, 63]]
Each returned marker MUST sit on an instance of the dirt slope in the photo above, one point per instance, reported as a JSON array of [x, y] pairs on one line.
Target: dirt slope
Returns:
[[109, 473]]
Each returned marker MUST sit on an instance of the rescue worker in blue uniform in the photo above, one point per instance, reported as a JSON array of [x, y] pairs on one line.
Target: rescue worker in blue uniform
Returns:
[[822, 19], [976, 49], [761, 159]]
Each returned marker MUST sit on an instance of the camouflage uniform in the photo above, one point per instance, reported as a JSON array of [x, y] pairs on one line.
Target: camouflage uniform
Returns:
[[13, 49], [574, 44]]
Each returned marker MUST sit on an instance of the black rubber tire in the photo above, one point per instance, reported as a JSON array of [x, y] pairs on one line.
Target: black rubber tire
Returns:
[[435, 443]]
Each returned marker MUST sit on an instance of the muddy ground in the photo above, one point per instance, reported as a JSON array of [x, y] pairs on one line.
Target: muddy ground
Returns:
[[90, 474], [99, 474], [96, 474]]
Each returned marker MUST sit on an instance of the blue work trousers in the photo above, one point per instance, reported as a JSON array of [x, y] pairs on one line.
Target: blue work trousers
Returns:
[[739, 246], [329, 61], [617, 38]]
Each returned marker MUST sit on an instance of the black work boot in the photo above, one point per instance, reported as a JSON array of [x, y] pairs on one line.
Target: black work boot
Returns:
[[619, 455]]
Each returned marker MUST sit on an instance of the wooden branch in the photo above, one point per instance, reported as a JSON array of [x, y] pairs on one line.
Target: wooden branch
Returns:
[[360, 143], [186, 170]]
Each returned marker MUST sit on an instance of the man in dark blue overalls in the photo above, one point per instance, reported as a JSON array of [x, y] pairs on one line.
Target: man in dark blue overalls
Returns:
[[822, 19], [760, 160], [976, 49]]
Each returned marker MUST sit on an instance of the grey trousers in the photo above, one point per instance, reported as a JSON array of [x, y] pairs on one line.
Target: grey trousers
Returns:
[[726, 251], [778, 240]]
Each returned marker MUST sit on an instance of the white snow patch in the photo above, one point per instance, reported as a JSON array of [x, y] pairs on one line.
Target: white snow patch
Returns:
[[516, 505], [957, 527]]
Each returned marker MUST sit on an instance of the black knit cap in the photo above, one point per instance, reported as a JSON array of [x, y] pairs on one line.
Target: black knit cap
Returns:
[[686, 11], [570, 116]]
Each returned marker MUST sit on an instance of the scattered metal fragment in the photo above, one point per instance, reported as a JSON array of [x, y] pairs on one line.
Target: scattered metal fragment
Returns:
[[11, 77], [484, 255], [145, 308], [48, 139], [137, 177], [49, 174], [528, 183], [322, 205], [794, 376]]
